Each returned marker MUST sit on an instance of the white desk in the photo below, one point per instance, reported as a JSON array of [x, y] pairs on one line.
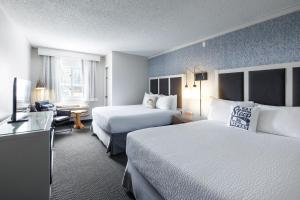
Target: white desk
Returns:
[[25, 158]]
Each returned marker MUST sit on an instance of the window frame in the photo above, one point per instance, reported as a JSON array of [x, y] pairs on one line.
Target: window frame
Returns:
[[70, 98]]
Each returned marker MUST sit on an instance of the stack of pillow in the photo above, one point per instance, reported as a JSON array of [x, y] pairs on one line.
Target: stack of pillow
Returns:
[[254, 117], [160, 101]]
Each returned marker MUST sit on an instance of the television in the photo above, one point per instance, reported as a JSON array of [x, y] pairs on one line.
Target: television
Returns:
[[21, 99]]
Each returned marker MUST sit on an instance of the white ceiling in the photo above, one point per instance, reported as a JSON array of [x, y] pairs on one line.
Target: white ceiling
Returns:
[[142, 27]]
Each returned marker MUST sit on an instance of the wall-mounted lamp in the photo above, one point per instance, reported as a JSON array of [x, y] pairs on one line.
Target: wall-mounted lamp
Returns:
[[186, 76], [194, 77], [202, 76], [186, 85], [199, 76]]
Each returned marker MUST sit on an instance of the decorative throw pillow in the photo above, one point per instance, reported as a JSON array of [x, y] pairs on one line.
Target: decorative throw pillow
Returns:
[[220, 109], [244, 117], [149, 100]]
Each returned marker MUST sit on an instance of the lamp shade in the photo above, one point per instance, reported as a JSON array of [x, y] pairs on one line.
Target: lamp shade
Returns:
[[40, 85], [201, 76]]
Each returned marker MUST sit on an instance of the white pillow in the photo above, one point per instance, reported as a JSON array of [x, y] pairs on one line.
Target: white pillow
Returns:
[[243, 117], [174, 102], [219, 109], [164, 102], [279, 120], [149, 100]]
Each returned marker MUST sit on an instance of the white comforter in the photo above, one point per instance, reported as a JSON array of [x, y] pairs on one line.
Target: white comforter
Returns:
[[208, 160], [123, 119]]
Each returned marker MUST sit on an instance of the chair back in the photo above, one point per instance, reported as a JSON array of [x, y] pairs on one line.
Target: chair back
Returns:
[[43, 105]]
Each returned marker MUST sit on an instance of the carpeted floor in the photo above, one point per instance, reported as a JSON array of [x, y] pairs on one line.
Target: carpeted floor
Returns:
[[83, 170]]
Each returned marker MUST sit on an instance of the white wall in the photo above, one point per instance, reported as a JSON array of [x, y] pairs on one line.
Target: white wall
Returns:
[[128, 77], [14, 60], [36, 74]]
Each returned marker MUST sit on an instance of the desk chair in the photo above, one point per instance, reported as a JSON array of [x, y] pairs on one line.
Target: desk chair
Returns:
[[61, 117]]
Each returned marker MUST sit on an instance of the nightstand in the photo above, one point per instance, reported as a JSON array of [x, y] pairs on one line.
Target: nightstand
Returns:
[[184, 117]]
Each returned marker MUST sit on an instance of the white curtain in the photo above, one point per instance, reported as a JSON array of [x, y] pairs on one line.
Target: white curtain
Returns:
[[51, 71], [89, 73]]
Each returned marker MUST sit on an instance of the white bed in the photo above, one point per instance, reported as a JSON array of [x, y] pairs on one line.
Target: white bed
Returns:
[[208, 160], [111, 124]]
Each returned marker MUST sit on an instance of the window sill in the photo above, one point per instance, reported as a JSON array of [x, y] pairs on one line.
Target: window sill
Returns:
[[72, 106]]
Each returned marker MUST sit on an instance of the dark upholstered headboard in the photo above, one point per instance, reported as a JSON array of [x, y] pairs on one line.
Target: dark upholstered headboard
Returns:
[[154, 86], [163, 86], [167, 85], [296, 86], [267, 87], [231, 86], [176, 89], [277, 85]]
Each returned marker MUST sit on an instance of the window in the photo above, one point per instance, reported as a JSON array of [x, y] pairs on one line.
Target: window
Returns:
[[71, 79]]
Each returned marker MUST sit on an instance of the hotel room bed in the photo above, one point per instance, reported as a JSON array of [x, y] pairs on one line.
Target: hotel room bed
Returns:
[[208, 160], [111, 124]]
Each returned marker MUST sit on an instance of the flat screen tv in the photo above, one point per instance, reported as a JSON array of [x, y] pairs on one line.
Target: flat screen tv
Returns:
[[21, 99]]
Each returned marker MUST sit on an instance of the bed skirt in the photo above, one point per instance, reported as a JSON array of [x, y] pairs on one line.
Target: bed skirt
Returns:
[[135, 183], [115, 143]]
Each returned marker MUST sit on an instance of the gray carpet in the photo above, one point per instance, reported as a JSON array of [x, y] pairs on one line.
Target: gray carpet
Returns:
[[83, 170]]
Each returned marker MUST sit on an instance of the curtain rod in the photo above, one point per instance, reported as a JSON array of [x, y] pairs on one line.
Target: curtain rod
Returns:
[[64, 53]]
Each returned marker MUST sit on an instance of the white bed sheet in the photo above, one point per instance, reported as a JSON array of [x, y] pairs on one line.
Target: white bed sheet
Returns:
[[123, 119], [208, 160]]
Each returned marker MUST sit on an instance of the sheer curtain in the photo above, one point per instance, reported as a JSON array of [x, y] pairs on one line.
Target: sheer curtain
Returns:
[[89, 75], [51, 70], [51, 77]]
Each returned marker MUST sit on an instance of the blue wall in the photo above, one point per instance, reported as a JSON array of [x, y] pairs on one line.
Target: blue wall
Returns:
[[270, 42]]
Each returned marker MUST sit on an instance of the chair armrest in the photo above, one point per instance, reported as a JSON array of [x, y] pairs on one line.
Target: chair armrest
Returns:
[[63, 113]]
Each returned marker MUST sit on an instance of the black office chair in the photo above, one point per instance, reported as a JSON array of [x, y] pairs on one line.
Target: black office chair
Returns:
[[61, 117], [44, 106]]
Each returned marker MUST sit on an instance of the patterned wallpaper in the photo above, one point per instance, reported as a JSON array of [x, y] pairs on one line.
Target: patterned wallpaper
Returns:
[[269, 42]]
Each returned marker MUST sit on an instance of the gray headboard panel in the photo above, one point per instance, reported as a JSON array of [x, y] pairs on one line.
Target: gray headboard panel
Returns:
[[274, 84], [176, 89], [164, 86], [267, 87], [296, 86], [167, 85], [231, 86], [154, 86]]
